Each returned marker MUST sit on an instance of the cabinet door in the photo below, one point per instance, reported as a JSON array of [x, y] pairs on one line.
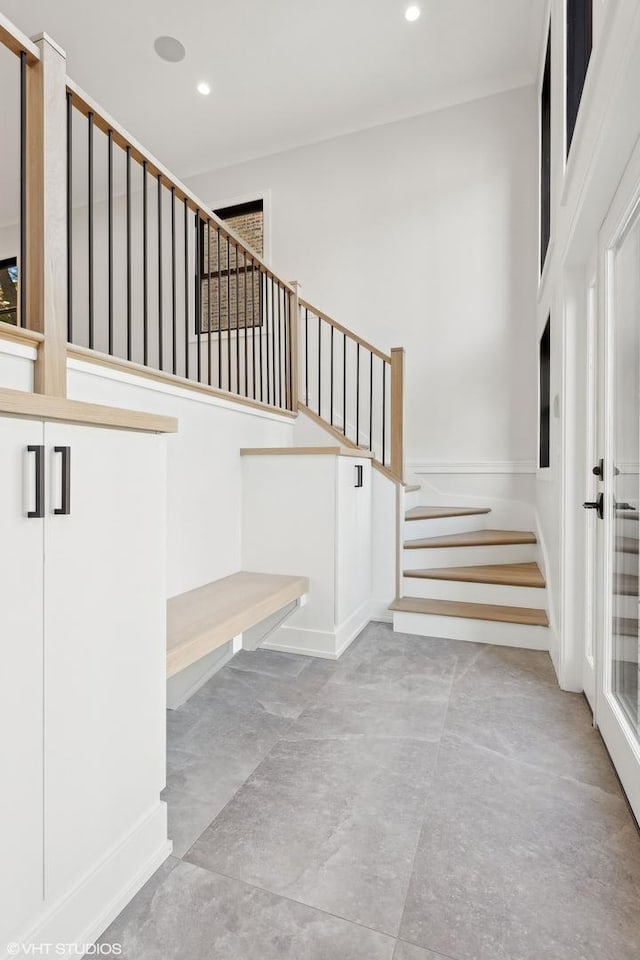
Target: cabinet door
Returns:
[[21, 812], [353, 538], [105, 643]]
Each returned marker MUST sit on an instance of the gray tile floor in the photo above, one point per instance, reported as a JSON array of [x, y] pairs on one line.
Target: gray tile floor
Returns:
[[419, 799]]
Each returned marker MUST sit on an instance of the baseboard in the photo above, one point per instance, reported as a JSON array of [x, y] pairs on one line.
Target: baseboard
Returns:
[[325, 644], [480, 466], [85, 912]]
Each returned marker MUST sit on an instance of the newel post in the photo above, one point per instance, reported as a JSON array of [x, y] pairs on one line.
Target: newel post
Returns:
[[46, 220], [294, 324], [397, 412]]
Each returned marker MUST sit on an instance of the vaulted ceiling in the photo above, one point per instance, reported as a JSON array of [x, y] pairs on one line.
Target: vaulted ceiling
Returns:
[[282, 72]]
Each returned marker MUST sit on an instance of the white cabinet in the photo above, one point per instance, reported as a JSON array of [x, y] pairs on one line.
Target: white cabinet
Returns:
[[82, 627], [309, 513]]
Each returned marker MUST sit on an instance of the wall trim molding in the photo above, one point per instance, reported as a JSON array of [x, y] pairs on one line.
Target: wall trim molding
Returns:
[[480, 466]]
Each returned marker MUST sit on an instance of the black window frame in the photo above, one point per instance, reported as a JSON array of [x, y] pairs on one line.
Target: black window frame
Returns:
[[579, 44], [545, 156], [544, 362]]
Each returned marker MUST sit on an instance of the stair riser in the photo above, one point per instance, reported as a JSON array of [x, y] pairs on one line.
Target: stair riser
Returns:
[[627, 649], [467, 592], [626, 607], [416, 529], [469, 556], [475, 631], [413, 499], [626, 563]]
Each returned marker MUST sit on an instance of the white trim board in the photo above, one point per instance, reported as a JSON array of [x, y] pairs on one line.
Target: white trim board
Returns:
[[484, 466]]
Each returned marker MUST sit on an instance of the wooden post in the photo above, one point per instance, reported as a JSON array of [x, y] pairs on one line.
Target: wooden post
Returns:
[[46, 267], [294, 324], [397, 412]]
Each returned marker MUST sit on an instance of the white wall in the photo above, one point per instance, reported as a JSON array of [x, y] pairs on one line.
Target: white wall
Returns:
[[423, 233], [204, 480]]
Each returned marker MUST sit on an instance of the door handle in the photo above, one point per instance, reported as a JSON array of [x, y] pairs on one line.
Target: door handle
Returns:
[[625, 506], [38, 512], [597, 505], [359, 478], [65, 507]]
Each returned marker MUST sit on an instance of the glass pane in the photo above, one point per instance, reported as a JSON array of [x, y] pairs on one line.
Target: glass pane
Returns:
[[626, 481]]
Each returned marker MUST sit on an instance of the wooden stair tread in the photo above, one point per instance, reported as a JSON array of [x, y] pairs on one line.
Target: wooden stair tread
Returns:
[[508, 574], [411, 487], [203, 619], [625, 584], [472, 611], [625, 627], [475, 538], [437, 513]]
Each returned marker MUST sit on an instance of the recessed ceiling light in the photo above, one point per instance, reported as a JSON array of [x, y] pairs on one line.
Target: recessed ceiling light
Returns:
[[204, 89], [169, 49], [412, 14]]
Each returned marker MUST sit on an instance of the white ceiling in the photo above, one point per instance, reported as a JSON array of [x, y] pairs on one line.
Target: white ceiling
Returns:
[[283, 72]]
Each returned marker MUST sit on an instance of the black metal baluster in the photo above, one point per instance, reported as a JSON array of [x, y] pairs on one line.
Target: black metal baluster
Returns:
[[273, 343], [128, 222], [145, 266], [319, 366], [253, 324], [219, 315], [244, 327], [237, 320], [198, 295], [370, 400], [287, 358], [208, 301], [174, 296], [261, 314], [331, 390], [22, 276], [279, 345], [186, 288], [344, 384], [384, 409], [267, 336], [110, 240], [69, 219], [306, 356], [160, 279], [228, 314], [357, 394], [90, 225]]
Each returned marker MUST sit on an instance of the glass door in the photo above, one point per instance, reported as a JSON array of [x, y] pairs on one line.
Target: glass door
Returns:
[[618, 706]]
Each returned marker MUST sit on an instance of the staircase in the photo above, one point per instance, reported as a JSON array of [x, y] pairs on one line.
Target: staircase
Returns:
[[461, 579]]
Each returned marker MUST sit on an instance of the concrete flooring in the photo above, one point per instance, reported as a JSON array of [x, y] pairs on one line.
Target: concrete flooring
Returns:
[[419, 799]]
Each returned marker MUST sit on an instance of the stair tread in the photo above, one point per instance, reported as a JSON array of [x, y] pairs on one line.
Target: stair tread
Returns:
[[625, 627], [472, 611], [474, 538], [625, 584], [508, 574], [412, 487], [437, 513]]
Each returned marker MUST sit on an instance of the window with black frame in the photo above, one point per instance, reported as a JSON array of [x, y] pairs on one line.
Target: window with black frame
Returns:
[[579, 43], [9, 291], [233, 279], [545, 157], [545, 397]]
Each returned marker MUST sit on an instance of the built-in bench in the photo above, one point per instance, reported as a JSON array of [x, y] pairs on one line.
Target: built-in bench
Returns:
[[204, 619]]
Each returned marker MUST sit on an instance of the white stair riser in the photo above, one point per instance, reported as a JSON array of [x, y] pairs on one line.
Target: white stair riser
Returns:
[[443, 527], [627, 648], [626, 563], [476, 631], [626, 607], [413, 499], [500, 594], [468, 556]]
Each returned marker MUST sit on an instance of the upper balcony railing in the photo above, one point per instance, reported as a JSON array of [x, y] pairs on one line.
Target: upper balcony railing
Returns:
[[119, 262]]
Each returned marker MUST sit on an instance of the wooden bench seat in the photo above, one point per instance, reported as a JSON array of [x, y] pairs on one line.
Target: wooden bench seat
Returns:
[[205, 618]]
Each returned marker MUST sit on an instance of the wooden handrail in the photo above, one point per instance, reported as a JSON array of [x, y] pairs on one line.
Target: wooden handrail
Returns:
[[122, 138], [16, 41], [397, 412], [348, 333]]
